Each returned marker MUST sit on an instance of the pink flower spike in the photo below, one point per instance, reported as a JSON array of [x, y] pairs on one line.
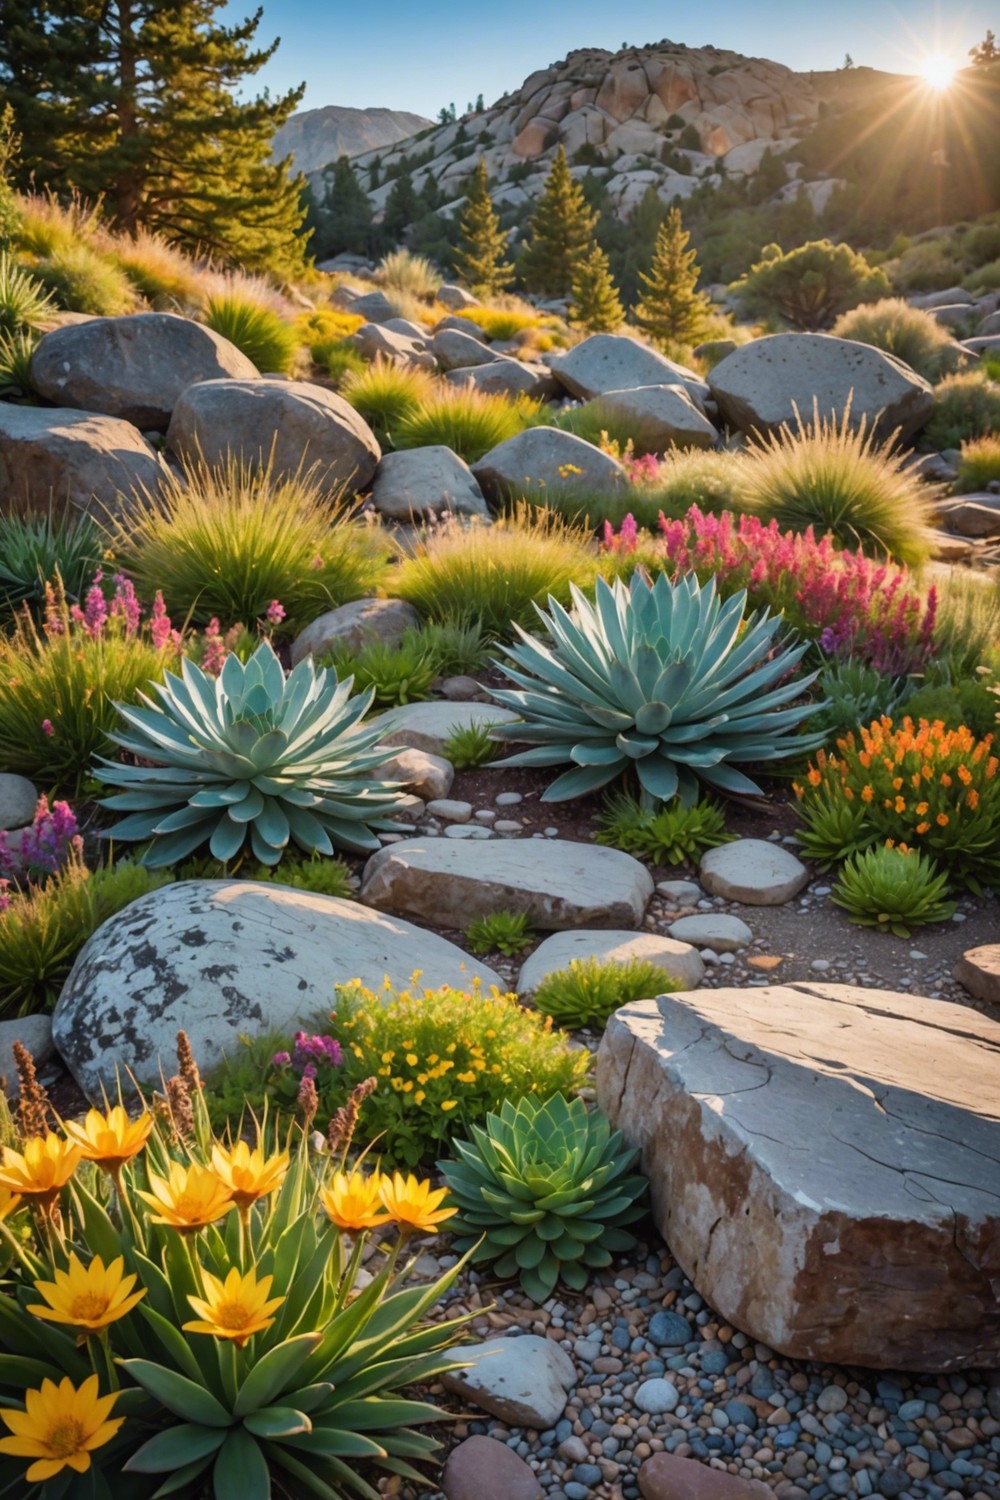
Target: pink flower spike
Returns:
[[275, 612], [47, 728]]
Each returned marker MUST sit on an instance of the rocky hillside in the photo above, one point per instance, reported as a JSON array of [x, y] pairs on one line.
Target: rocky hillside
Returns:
[[316, 137]]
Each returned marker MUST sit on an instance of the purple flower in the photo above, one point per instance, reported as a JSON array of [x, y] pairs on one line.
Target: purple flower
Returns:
[[214, 653], [125, 606], [160, 629], [48, 841], [47, 728], [281, 1059]]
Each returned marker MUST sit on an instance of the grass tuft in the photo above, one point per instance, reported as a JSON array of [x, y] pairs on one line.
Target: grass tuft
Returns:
[[258, 332], [909, 333]]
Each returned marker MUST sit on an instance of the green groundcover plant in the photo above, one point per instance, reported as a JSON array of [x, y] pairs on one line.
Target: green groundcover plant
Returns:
[[506, 932], [893, 889], [667, 835], [589, 991]]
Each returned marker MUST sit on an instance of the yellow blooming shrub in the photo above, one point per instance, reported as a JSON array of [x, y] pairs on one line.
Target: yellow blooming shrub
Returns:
[[919, 784]]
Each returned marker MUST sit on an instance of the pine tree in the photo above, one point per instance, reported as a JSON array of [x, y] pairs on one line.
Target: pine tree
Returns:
[[482, 254], [345, 217], [401, 208], [595, 305], [135, 101], [670, 309], [560, 234]]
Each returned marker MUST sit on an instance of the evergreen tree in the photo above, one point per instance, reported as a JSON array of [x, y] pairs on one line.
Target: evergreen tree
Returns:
[[401, 208], [482, 245], [595, 305], [986, 52], [670, 309], [560, 234], [135, 101], [345, 219]]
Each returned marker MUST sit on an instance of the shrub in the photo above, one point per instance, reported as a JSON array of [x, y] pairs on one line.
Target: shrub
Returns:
[[909, 333], [341, 361], [809, 287], [666, 835], [386, 394], [413, 275], [932, 788], [223, 542], [893, 889], [500, 324], [967, 630], [317, 873], [544, 1190], [467, 421], [979, 464], [252, 756], [44, 225], [930, 266], [853, 693], [662, 679], [158, 270], [265, 338], [965, 407], [496, 573], [24, 302], [967, 701], [43, 928], [842, 483], [506, 932], [471, 745], [81, 280], [34, 548], [589, 991]]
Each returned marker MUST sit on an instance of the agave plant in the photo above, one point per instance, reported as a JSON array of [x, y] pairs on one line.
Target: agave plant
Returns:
[[250, 754], [544, 1190], [660, 676]]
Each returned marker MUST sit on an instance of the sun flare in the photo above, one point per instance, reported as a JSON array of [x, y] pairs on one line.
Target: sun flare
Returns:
[[938, 70]]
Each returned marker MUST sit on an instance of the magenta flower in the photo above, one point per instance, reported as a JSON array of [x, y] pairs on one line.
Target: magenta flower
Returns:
[[47, 728], [214, 653], [281, 1059], [275, 612], [125, 606]]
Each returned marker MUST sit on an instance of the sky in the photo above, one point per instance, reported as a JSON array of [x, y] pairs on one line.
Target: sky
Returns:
[[419, 55]]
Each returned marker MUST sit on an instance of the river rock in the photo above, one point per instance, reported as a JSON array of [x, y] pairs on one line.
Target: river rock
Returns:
[[824, 1162], [292, 424], [77, 459], [222, 958], [979, 971], [481, 1468], [753, 871], [429, 726], [657, 417], [760, 385], [427, 776], [379, 341], [548, 461], [417, 482], [456, 297], [523, 1381], [710, 929], [352, 624], [557, 884], [684, 965], [133, 367]]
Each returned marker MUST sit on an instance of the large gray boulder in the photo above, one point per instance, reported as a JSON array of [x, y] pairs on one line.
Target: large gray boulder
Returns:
[[502, 376], [658, 417], [375, 307], [73, 459], [134, 367], [416, 482], [378, 341], [543, 461], [556, 883], [760, 386], [455, 351], [615, 362], [225, 958], [456, 297], [291, 423], [824, 1162], [353, 624]]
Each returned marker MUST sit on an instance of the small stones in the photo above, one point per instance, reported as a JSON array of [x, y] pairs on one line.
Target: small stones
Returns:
[[449, 811], [656, 1397], [832, 1398], [715, 930], [508, 799], [753, 871], [683, 892]]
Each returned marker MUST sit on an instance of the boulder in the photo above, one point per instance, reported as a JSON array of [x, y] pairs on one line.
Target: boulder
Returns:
[[971, 515], [428, 776], [18, 800], [76, 459], [414, 331], [979, 971], [990, 326], [980, 347], [456, 351], [462, 325], [954, 315], [524, 1381], [416, 482], [507, 377], [556, 883], [824, 1163], [753, 871], [374, 307], [33, 1032], [760, 385], [379, 341], [547, 460], [290, 423], [946, 298], [133, 367], [615, 362], [658, 417], [429, 726], [481, 1468], [679, 960], [352, 624], [456, 297], [224, 958]]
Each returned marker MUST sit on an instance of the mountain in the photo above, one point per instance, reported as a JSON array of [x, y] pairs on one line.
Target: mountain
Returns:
[[316, 137]]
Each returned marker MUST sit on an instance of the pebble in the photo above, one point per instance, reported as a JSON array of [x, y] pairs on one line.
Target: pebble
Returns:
[[832, 1398], [508, 799], [656, 1397], [449, 811], [667, 1329]]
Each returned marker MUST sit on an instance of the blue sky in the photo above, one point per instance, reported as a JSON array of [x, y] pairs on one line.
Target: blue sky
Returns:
[[421, 54]]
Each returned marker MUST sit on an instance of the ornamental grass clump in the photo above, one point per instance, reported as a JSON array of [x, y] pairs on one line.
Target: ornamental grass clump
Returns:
[[35, 549], [385, 395], [589, 991], [249, 757], [506, 932], [935, 789], [892, 888], [182, 1313], [257, 331], [467, 421], [908, 333], [966, 406], [544, 1191], [979, 464], [660, 679]]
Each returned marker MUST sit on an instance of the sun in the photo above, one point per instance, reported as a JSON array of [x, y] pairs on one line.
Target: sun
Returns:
[[938, 70]]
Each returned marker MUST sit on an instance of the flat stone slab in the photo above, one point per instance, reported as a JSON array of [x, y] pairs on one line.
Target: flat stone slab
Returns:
[[524, 1381], [753, 871], [682, 962], [716, 930], [222, 958], [428, 726], [979, 971], [824, 1162], [556, 883]]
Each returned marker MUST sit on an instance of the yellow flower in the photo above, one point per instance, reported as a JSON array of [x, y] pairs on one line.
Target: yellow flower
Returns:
[[412, 1204], [351, 1201], [88, 1297], [60, 1428], [42, 1171], [236, 1308], [448, 1104], [109, 1139], [189, 1199], [247, 1174], [8, 1202]]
